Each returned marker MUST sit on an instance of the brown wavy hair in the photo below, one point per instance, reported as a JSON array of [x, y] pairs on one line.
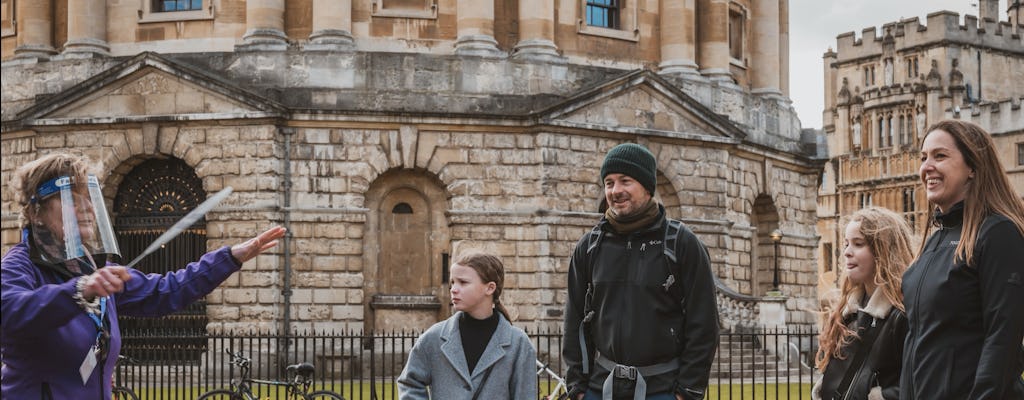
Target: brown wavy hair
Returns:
[[889, 238], [997, 197], [490, 269]]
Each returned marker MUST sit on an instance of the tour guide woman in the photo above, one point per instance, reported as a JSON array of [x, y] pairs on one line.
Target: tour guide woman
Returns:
[[60, 297]]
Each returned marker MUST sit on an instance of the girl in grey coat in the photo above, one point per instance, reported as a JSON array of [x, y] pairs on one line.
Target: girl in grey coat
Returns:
[[476, 353]]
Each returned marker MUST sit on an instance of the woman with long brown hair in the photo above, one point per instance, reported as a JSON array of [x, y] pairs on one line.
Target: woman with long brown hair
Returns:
[[965, 292], [861, 343]]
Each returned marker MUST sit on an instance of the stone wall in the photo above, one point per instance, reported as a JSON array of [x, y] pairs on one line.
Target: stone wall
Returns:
[[505, 153]]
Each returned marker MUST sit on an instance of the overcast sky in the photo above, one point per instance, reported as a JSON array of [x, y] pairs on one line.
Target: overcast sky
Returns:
[[814, 25]]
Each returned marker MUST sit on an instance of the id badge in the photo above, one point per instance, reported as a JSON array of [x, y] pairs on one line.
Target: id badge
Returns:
[[88, 364]]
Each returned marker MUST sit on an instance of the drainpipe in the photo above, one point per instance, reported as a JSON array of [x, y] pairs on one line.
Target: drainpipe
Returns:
[[286, 291], [979, 75]]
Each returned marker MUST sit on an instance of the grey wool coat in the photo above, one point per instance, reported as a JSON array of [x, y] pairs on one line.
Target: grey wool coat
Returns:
[[438, 361]]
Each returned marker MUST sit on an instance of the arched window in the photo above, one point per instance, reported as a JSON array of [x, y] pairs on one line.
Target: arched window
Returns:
[[150, 199]]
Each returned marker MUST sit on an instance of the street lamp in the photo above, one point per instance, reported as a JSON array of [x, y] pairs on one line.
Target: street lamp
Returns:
[[776, 236]]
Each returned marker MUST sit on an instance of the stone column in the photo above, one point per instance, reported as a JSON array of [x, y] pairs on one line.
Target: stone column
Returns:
[[764, 63], [714, 40], [264, 26], [35, 29], [784, 47], [87, 29], [476, 29], [536, 30], [332, 26], [678, 38]]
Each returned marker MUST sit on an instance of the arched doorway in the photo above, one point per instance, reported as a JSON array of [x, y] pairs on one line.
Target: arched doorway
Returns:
[[764, 220], [151, 198], [406, 252]]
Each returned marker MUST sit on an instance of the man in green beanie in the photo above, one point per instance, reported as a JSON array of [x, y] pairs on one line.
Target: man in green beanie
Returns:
[[641, 320]]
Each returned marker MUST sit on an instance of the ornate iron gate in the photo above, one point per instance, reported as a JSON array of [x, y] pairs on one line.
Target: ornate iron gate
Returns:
[[151, 198]]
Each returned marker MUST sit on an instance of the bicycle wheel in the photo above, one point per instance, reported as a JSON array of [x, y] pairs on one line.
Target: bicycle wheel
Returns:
[[220, 394], [324, 395], [123, 393]]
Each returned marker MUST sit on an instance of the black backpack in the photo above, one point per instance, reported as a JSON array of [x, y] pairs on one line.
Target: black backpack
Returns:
[[671, 232]]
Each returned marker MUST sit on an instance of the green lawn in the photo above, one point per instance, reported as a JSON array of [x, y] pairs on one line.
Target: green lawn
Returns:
[[361, 390], [760, 391]]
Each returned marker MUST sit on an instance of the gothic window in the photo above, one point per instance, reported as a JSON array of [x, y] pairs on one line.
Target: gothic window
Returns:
[[826, 255], [1020, 153], [903, 133], [865, 200], [912, 67], [736, 23], [881, 132], [909, 207], [176, 5], [889, 131], [603, 13]]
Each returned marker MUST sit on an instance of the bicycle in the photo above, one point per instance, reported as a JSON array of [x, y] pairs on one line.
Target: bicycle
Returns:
[[120, 392], [298, 385], [560, 388]]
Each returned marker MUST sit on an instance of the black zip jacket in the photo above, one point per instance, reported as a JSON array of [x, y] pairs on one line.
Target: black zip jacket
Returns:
[[638, 319], [880, 368], [966, 322]]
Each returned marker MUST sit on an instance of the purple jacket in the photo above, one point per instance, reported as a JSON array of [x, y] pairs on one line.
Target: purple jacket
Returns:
[[44, 335]]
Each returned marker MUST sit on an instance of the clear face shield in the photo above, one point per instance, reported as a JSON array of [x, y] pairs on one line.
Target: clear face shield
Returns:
[[71, 222]]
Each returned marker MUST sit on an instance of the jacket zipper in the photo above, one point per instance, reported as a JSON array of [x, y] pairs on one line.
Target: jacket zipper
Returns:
[[917, 303], [853, 383]]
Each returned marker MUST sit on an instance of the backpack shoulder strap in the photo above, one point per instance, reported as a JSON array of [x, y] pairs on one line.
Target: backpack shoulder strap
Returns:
[[594, 238], [672, 230]]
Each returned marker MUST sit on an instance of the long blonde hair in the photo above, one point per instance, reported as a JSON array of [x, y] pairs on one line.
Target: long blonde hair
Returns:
[[888, 237], [991, 194]]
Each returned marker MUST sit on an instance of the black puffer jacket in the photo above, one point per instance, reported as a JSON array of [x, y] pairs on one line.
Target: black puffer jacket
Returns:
[[638, 319], [966, 322], [879, 370]]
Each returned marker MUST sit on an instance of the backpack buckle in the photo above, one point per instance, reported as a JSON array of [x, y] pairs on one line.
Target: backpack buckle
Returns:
[[625, 372]]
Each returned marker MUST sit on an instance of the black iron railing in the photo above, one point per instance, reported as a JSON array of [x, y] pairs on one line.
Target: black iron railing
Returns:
[[756, 365]]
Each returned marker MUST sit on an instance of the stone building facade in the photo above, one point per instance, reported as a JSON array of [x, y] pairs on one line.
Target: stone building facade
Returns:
[[388, 135], [884, 89]]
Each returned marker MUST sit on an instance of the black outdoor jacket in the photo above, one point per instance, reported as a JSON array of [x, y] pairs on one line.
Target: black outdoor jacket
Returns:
[[879, 368], [966, 323], [638, 319]]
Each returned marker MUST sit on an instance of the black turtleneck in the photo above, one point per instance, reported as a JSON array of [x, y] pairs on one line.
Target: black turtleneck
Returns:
[[952, 218], [476, 333]]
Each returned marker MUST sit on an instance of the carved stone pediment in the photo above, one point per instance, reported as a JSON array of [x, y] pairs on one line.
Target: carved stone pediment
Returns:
[[149, 88], [641, 102]]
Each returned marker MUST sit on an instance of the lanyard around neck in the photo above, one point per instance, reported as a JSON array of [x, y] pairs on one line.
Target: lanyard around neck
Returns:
[[98, 319]]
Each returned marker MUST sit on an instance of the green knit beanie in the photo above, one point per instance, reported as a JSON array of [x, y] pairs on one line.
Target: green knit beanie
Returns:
[[632, 160]]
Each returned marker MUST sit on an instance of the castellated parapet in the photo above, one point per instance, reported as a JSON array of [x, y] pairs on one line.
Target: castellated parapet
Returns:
[[943, 28], [999, 118]]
